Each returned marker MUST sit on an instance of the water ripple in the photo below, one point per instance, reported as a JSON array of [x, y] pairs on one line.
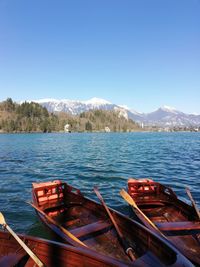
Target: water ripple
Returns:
[[86, 160]]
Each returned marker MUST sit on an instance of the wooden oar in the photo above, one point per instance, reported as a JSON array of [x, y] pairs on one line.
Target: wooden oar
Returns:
[[73, 237], [131, 202], [27, 249], [193, 202], [127, 248]]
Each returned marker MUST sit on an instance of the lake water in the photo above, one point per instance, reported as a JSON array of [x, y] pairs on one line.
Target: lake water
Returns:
[[87, 159]]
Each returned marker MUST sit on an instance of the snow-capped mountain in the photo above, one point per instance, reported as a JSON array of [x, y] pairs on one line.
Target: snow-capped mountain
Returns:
[[75, 107], [164, 117], [170, 117]]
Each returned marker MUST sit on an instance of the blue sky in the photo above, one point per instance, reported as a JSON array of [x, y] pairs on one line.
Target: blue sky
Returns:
[[140, 53]]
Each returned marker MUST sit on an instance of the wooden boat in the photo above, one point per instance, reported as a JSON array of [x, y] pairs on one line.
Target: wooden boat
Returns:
[[65, 210], [174, 218], [50, 253]]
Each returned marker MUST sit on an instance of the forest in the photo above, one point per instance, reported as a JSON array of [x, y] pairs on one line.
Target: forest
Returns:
[[32, 117]]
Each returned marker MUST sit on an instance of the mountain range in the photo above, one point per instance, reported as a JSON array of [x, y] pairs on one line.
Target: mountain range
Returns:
[[163, 117]]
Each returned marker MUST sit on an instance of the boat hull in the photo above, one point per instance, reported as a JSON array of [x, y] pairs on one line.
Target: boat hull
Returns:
[[50, 253], [88, 221], [174, 218]]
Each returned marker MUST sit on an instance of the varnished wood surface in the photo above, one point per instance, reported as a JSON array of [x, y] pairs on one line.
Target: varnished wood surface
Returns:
[[176, 219], [92, 226], [52, 254]]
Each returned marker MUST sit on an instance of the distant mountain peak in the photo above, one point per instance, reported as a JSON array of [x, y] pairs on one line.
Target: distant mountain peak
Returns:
[[165, 116], [168, 108], [124, 107], [96, 101], [195, 114]]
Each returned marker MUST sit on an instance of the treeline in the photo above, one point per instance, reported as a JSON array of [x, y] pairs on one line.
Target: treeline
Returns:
[[32, 117], [27, 117], [98, 120]]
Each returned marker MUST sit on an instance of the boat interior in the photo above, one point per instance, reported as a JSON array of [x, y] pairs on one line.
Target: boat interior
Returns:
[[88, 221], [161, 204], [176, 219]]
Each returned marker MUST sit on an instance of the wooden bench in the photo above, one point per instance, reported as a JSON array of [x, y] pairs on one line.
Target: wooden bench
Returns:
[[90, 228], [179, 226]]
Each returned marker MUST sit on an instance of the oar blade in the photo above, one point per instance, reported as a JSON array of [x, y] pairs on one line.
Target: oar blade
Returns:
[[98, 194], [21, 242], [127, 198], [2, 219], [187, 189], [131, 202], [68, 233]]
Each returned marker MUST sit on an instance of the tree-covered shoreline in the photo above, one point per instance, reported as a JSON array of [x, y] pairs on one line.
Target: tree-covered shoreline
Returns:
[[32, 117]]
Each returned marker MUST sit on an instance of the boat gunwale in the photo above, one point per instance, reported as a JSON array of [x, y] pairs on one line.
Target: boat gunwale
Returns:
[[85, 252]]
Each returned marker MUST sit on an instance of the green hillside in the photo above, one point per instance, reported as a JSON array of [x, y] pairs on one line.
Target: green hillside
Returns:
[[31, 117]]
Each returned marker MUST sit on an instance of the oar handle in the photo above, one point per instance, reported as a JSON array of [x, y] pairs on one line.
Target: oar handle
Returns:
[[27, 249], [108, 211], [127, 248]]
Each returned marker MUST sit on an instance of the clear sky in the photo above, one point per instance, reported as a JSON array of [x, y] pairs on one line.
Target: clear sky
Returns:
[[140, 53]]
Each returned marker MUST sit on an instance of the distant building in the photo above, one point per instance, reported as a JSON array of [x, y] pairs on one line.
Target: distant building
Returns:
[[67, 128], [107, 129]]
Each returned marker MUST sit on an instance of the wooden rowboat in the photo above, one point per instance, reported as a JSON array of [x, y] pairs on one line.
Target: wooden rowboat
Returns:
[[174, 218], [50, 253], [80, 221]]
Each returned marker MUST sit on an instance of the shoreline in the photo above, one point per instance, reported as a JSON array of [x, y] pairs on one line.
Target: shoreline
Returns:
[[63, 132]]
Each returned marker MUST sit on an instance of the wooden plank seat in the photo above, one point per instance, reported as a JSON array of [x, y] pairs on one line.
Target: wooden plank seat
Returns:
[[90, 228], [55, 209], [52, 205], [178, 226]]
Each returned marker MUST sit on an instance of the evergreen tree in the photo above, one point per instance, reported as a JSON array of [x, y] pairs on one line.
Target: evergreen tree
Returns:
[[88, 126], [31, 117]]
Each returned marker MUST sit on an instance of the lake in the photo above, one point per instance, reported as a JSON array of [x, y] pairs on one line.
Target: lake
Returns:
[[87, 159]]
